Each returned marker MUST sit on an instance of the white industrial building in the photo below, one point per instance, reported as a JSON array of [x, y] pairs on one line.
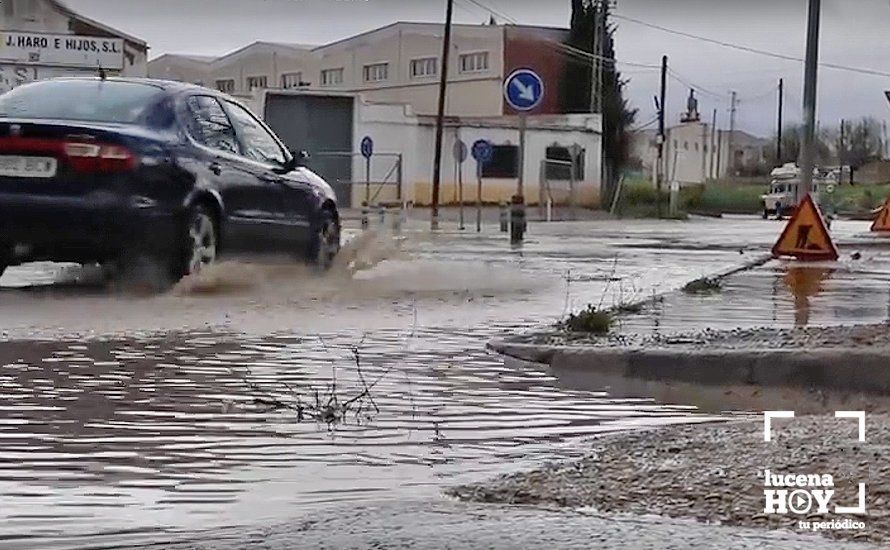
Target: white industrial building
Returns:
[[396, 63], [695, 152], [43, 39], [384, 84]]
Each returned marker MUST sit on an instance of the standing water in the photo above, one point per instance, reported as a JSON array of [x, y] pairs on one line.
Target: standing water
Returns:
[[179, 425]]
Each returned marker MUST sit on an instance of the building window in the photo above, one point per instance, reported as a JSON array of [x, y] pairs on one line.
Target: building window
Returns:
[[331, 77], [257, 83], [686, 145], [291, 80], [474, 62], [696, 146], [561, 169], [226, 86], [377, 72], [504, 162], [421, 68]]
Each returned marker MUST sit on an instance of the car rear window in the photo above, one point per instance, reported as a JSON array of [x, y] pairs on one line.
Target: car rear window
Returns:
[[83, 100]]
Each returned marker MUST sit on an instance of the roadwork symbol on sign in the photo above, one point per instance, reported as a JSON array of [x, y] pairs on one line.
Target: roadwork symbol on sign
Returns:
[[806, 236], [882, 222]]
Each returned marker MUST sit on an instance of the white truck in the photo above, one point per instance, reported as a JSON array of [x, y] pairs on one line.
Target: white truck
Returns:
[[781, 200]]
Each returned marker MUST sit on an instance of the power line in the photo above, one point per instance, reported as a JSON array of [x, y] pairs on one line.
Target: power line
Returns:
[[581, 54], [492, 11], [585, 54], [642, 127], [695, 87], [750, 49]]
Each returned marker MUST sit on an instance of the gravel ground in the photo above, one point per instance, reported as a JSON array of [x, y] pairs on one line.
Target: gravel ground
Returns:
[[714, 473], [454, 525], [867, 336]]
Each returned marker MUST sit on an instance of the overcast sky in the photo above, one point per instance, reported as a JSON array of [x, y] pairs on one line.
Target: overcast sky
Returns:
[[854, 33]]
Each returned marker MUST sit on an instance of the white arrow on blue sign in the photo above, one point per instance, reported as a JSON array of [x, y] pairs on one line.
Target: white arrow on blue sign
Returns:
[[367, 147], [524, 90]]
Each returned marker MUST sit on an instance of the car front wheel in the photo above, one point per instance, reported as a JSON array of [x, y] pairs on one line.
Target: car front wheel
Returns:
[[325, 242]]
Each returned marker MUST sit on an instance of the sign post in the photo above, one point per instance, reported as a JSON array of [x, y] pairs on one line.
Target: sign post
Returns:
[[460, 156], [524, 92], [577, 153], [367, 152], [483, 153]]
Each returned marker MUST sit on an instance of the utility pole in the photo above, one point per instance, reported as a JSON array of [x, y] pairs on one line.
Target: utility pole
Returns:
[[597, 62], [730, 156], [661, 136], [713, 143], [440, 117], [841, 153], [779, 126], [811, 74]]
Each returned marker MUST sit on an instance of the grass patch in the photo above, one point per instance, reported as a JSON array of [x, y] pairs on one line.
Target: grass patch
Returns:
[[723, 199], [705, 285], [639, 199], [857, 198], [591, 320]]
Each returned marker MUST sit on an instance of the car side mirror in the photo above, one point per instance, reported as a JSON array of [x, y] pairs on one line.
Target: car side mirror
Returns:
[[301, 157]]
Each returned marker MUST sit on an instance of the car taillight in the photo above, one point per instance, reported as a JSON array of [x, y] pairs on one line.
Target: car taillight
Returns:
[[99, 157]]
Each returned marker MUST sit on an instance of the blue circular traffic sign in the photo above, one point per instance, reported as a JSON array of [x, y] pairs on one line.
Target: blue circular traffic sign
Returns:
[[483, 151], [524, 90], [367, 147]]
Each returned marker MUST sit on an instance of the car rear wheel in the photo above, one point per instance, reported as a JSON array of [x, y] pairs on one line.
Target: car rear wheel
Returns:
[[200, 243], [325, 243]]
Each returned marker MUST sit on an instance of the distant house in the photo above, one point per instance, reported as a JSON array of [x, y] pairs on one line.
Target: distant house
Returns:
[[693, 153]]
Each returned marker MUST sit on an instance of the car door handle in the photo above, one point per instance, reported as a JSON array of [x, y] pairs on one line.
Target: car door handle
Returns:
[[215, 168]]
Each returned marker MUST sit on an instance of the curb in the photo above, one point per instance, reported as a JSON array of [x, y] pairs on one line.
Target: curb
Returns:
[[824, 368]]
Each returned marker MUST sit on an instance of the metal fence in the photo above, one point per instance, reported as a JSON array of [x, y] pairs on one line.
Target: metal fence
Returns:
[[381, 176], [559, 187]]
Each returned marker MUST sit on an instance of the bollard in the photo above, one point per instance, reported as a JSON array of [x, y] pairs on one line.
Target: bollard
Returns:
[[517, 220], [381, 212], [505, 217], [365, 213]]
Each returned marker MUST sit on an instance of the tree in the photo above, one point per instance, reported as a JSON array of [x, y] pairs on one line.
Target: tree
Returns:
[[577, 86], [791, 143], [862, 143]]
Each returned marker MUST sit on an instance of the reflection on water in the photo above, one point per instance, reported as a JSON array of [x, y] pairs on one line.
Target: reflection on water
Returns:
[[805, 283], [106, 437]]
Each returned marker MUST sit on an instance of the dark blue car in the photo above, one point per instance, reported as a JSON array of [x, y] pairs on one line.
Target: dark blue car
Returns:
[[110, 170]]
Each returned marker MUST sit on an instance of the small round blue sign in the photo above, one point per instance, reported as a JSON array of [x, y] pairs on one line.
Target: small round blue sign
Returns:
[[367, 147], [524, 90], [482, 151]]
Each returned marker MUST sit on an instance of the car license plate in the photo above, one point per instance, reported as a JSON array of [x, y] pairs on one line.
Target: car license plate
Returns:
[[27, 167]]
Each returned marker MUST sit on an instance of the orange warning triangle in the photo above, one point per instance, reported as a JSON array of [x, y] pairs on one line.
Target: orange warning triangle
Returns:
[[882, 221], [806, 236]]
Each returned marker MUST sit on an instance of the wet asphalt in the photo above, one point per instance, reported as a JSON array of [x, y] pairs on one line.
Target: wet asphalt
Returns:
[[133, 419]]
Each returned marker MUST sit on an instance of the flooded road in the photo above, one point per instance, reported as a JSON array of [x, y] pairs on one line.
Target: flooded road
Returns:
[[128, 418]]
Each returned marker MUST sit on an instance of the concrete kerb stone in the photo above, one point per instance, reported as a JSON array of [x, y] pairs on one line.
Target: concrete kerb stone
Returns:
[[843, 369], [840, 369]]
